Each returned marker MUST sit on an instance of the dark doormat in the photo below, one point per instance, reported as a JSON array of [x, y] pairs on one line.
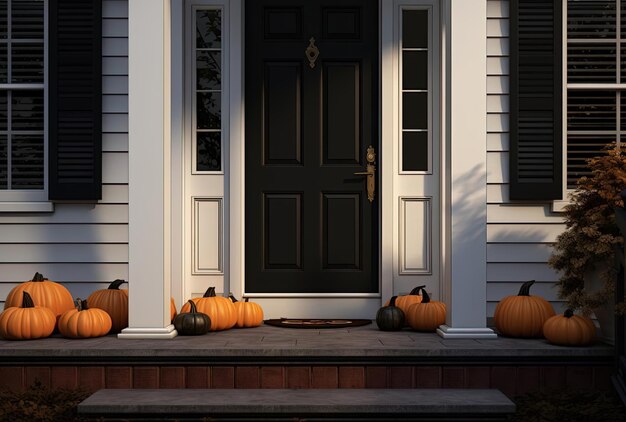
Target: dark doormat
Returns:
[[317, 323]]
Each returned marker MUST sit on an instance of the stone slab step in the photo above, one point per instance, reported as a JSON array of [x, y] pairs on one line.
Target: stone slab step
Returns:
[[306, 404]]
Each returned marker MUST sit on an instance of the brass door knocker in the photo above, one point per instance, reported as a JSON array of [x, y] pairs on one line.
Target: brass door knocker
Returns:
[[312, 52]]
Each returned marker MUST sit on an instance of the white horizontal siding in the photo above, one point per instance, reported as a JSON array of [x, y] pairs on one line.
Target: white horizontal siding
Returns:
[[84, 246], [519, 235]]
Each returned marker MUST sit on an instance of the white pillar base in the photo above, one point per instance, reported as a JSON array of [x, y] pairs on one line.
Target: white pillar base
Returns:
[[466, 333], [148, 333]]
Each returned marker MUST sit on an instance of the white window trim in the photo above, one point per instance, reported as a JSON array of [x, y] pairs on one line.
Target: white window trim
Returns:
[[26, 200]]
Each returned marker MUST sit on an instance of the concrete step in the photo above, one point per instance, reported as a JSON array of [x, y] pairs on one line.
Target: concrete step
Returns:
[[302, 404]]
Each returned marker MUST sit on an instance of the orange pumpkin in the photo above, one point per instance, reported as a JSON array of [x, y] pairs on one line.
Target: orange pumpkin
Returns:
[[220, 309], [405, 301], [44, 293], [114, 302], [249, 314], [172, 310], [569, 330], [522, 315], [84, 322], [426, 315], [27, 322]]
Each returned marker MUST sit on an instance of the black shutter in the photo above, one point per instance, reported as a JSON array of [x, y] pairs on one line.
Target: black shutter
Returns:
[[75, 99], [536, 145]]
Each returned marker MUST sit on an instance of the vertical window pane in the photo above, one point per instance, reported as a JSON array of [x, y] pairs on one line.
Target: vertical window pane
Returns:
[[3, 19], [4, 61], [208, 29], [3, 162], [208, 151], [415, 70], [27, 153], [414, 29], [27, 110], [591, 18], [415, 110], [415, 151], [3, 110], [591, 63], [208, 70], [591, 110], [580, 148], [27, 63], [27, 19], [209, 110]]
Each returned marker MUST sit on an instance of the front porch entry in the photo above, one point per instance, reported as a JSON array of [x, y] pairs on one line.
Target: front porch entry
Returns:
[[200, 233]]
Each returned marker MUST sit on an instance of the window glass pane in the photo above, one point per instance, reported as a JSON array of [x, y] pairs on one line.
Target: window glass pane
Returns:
[[27, 110], [27, 161], [27, 63], [415, 110], [414, 29], [208, 29], [3, 161], [415, 70], [27, 19], [591, 63], [208, 70], [3, 19], [4, 60], [208, 110], [591, 110], [208, 151], [3, 110], [580, 148], [591, 18], [415, 151]]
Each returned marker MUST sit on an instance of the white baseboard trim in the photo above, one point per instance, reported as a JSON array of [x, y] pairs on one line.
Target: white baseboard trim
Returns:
[[148, 333], [466, 333]]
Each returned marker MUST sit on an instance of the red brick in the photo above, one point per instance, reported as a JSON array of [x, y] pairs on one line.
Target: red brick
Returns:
[[91, 378], [579, 377], [223, 377], [528, 379], [552, 378], [453, 377], [63, 377], [197, 377], [602, 378], [247, 377], [272, 377], [427, 377], [298, 377], [376, 377], [351, 377], [171, 377], [400, 377], [477, 377], [324, 377], [503, 378], [12, 378], [118, 377], [37, 373]]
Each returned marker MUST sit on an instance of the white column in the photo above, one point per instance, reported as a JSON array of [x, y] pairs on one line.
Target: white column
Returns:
[[466, 231], [149, 150]]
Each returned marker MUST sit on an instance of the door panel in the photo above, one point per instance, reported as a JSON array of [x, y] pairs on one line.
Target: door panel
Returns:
[[309, 225]]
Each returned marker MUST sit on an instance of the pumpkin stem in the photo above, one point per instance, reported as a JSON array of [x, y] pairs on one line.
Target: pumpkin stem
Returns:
[[425, 297], [568, 313], [81, 305], [525, 289], [392, 301], [416, 290], [246, 299], [27, 301], [210, 292], [116, 284], [192, 304], [232, 298], [38, 277]]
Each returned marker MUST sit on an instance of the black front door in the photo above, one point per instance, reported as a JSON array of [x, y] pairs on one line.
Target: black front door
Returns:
[[311, 113]]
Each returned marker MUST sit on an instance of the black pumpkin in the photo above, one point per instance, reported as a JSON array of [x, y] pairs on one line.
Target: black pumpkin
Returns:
[[192, 323], [390, 318]]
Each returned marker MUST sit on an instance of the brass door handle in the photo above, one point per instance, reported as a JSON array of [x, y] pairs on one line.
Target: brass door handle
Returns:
[[370, 173]]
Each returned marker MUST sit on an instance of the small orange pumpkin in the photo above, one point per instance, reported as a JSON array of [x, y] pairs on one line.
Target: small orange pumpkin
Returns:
[[44, 293], [426, 315], [249, 314], [84, 322], [522, 315], [569, 330], [405, 301], [27, 322], [114, 301], [220, 310]]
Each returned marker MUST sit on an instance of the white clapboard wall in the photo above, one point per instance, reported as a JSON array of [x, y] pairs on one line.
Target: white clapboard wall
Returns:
[[519, 237], [84, 246]]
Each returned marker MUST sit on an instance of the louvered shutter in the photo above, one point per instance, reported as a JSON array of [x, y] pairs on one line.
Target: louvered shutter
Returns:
[[535, 150], [75, 98]]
